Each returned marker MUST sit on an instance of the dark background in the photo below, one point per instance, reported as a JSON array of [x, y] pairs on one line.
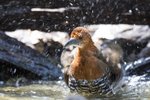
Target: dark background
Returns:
[[16, 14]]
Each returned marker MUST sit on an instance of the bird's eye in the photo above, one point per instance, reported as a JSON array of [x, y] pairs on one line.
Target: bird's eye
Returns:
[[80, 37]]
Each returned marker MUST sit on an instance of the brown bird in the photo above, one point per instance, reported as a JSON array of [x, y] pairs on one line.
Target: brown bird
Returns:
[[86, 71]]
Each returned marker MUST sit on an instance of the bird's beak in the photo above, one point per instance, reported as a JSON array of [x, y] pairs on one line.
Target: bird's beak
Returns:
[[72, 41]]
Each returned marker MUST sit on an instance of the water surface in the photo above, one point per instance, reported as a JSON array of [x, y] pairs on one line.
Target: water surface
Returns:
[[134, 89]]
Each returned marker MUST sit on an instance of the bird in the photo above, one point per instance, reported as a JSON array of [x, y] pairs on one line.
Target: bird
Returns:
[[86, 71]]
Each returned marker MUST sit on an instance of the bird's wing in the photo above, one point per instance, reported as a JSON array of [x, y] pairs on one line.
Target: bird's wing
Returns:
[[114, 70], [119, 50]]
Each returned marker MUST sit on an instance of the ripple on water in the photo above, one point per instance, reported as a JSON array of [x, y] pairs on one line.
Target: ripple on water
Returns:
[[134, 89]]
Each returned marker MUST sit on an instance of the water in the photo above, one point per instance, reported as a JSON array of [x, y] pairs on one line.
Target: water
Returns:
[[41, 91], [134, 89]]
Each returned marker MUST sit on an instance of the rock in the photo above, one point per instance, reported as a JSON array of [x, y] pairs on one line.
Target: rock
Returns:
[[121, 31], [48, 44], [24, 57], [30, 38]]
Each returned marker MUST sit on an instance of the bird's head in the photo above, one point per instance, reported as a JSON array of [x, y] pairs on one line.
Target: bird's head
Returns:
[[80, 37]]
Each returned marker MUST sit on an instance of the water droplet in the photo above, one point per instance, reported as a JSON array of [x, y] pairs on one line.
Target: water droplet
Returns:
[[136, 9], [130, 11], [71, 4]]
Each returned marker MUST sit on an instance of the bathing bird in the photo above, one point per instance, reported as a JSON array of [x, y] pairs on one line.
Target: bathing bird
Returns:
[[86, 71]]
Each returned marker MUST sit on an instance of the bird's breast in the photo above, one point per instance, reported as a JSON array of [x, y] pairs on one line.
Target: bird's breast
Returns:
[[86, 67]]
